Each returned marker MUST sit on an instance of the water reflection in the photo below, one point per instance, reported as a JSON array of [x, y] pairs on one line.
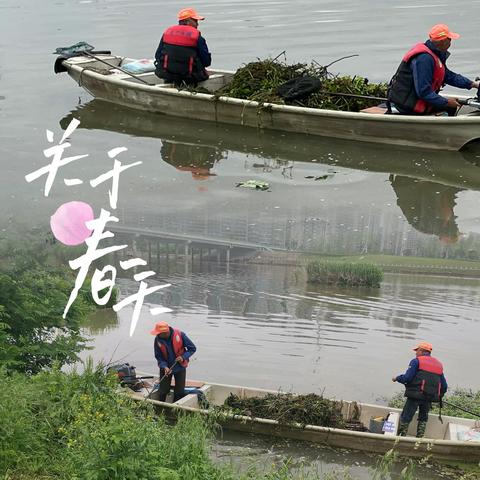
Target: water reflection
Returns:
[[447, 168], [100, 321], [428, 206], [351, 210], [270, 317], [197, 159]]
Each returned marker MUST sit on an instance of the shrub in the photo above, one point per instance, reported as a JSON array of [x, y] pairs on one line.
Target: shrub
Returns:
[[76, 426]]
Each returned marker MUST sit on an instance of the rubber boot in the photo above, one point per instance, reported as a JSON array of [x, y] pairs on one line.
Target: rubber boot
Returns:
[[402, 429], [421, 429]]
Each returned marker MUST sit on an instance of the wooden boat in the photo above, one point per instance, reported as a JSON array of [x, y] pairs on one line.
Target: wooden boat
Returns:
[[441, 440], [111, 84], [442, 167]]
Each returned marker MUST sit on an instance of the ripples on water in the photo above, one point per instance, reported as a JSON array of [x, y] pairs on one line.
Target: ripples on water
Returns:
[[269, 317]]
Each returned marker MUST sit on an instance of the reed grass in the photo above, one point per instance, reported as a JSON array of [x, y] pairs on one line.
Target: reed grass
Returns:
[[344, 273]]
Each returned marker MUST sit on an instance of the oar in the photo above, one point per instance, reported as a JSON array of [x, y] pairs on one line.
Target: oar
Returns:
[[352, 95], [167, 374], [461, 408], [114, 66]]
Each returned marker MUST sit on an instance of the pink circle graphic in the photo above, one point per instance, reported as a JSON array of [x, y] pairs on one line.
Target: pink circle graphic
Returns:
[[68, 222]]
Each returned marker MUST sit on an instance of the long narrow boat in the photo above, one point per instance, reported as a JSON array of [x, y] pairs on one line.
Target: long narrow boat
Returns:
[[153, 94], [456, 169], [441, 440]]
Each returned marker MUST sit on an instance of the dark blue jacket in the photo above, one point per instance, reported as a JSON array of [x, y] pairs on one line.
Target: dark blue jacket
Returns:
[[202, 51], [412, 370], [189, 346], [422, 69]]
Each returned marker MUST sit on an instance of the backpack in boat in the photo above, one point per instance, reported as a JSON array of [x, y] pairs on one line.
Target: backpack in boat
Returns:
[[127, 376], [299, 88]]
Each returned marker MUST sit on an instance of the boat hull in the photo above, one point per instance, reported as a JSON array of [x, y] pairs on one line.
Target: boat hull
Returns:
[[436, 447], [449, 133]]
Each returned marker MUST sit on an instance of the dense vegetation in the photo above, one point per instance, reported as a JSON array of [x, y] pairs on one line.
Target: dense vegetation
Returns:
[[286, 408], [33, 295], [260, 81], [76, 426], [344, 273]]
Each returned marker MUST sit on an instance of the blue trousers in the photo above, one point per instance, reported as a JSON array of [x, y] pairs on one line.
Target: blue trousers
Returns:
[[410, 408]]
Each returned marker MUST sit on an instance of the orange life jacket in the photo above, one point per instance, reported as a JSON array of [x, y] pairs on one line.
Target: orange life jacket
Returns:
[[178, 347]]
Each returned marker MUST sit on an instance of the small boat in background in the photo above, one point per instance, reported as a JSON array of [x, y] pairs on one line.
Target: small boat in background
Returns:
[[443, 440], [104, 77]]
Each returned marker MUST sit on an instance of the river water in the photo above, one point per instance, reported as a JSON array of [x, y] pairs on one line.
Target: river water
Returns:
[[256, 323]]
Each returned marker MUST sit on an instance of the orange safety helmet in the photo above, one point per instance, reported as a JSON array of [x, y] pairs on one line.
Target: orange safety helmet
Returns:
[[424, 346], [185, 13]]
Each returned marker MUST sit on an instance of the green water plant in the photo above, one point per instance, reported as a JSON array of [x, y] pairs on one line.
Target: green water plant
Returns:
[[286, 408], [344, 273], [260, 81]]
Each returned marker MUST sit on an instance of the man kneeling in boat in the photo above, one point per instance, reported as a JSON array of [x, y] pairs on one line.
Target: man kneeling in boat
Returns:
[[414, 88], [172, 350], [182, 55], [424, 383]]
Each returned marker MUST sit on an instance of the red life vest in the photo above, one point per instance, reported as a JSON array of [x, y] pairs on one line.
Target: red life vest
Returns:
[[178, 347], [438, 73], [430, 364], [426, 385], [181, 35]]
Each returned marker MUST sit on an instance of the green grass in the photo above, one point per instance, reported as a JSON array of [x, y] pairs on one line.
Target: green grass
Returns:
[[77, 427], [344, 273], [406, 264]]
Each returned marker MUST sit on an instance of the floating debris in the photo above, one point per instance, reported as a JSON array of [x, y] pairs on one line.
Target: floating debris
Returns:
[[287, 409], [256, 184], [262, 81]]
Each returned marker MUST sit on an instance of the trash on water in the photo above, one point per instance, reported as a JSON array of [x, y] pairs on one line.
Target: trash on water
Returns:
[[329, 174], [256, 184]]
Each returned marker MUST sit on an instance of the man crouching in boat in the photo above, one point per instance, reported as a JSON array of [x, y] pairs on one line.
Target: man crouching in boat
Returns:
[[424, 383], [414, 88], [182, 55], [172, 350]]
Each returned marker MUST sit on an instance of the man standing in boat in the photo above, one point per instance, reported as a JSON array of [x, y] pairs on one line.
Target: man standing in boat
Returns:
[[172, 350], [424, 383], [182, 55], [414, 88]]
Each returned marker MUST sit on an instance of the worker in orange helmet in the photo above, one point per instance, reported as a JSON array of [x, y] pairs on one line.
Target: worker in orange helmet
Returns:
[[424, 383], [182, 55], [172, 350], [415, 87]]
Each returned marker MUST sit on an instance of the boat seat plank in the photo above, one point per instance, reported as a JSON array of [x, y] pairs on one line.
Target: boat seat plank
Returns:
[[190, 383]]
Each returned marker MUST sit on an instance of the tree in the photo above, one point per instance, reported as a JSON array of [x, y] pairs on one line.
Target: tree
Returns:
[[33, 333]]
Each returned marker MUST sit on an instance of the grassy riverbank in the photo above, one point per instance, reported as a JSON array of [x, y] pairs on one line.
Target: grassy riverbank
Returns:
[[76, 426], [404, 264], [388, 263]]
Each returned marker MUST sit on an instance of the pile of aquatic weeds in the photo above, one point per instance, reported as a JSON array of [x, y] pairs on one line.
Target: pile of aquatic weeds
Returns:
[[310, 409], [260, 81]]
